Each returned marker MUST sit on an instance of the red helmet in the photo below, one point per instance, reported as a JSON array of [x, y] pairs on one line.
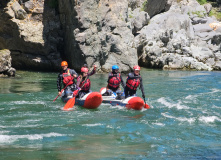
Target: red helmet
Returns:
[[64, 63], [84, 69], [136, 68]]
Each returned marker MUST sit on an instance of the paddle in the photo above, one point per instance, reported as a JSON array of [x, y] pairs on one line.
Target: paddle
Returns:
[[61, 92], [71, 102], [146, 105]]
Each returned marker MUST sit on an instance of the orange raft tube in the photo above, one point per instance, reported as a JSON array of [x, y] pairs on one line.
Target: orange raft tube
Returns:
[[90, 101], [134, 102]]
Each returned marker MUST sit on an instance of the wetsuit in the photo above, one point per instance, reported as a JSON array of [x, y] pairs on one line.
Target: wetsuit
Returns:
[[71, 86], [132, 83], [114, 81], [85, 82]]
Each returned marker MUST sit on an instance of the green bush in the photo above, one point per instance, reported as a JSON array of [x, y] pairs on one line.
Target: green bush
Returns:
[[202, 1], [215, 13], [199, 14]]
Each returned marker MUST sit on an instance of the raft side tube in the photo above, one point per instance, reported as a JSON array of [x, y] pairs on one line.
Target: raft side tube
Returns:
[[135, 103], [93, 100]]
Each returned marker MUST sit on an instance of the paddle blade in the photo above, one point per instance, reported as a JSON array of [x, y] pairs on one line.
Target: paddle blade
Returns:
[[69, 104], [146, 106]]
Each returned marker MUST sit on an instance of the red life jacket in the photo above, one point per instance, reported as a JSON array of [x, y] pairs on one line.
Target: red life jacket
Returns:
[[86, 86], [133, 83], [67, 78], [114, 82]]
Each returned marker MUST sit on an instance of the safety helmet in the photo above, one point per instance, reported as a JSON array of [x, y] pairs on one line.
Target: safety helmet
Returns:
[[115, 67], [84, 69], [137, 68], [64, 63]]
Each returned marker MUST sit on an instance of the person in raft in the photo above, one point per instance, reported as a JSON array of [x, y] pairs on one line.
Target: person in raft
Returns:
[[132, 83], [114, 81], [66, 76], [83, 81]]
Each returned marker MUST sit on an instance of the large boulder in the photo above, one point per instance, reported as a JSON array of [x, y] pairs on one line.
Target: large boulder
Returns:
[[154, 7], [180, 38], [33, 37], [5, 64], [138, 19]]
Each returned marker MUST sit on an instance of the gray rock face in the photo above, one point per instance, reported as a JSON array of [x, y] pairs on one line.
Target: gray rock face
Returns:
[[33, 38], [19, 11], [155, 33], [138, 19], [133, 4], [180, 39], [97, 32], [5, 64], [154, 7]]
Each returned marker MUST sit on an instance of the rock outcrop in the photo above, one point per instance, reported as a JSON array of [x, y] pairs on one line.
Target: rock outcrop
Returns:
[[180, 38], [32, 34], [96, 32], [5, 61], [166, 34]]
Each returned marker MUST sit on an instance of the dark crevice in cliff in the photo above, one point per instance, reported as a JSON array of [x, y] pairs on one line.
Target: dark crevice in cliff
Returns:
[[3, 3], [72, 52]]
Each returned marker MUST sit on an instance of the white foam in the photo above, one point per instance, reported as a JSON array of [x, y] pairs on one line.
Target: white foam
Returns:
[[26, 102], [13, 138], [215, 90], [191, 97], [181, 119], [118, 107], [159, 124], [2, 132], [109, 126], [24, 126], [209, 119], [92, 125], [172, 105]]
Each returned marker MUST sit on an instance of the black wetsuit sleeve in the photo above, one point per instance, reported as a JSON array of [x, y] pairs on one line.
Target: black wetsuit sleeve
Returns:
[[142, 88], [72, 72], [59, 82], [109, 77], [122, 81]]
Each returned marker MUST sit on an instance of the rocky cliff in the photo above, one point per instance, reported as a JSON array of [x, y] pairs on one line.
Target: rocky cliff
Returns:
[[168, 34]]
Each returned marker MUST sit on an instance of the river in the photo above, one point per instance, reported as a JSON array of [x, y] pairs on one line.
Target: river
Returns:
[[184, 121]]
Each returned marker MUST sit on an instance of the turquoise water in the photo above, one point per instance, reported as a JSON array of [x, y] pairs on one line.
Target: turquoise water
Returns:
[[183, 122]]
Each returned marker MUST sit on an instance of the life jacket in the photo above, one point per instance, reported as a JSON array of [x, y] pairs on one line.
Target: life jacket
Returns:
[[67, 78], [133, 83], [114, 82], [87, 85]]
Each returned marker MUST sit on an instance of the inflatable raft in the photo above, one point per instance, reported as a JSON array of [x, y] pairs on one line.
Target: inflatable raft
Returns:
[[135, 102], [90, 101]]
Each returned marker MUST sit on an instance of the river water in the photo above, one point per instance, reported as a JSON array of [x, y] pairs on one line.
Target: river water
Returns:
[[184, 121]]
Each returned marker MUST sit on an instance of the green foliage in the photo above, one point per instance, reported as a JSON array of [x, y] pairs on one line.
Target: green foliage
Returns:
[[199, 14], [202, 1], [130, 16], [144, 5], [215, 13]]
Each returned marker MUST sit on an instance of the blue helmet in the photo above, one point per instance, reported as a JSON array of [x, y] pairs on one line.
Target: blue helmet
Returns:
[[115, 67]]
